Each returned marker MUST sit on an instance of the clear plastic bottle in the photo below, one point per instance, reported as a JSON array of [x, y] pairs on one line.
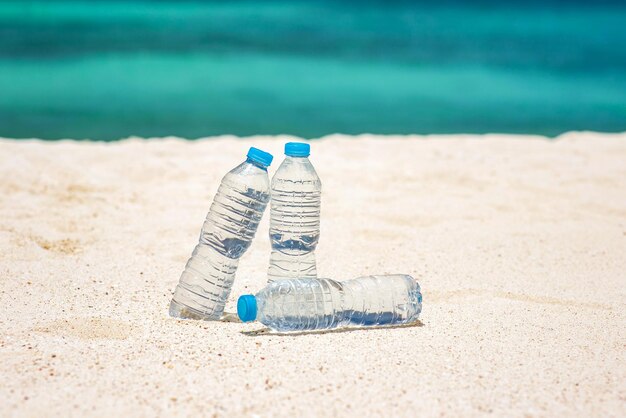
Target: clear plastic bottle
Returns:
[[313, 304], [226, 234], [294, 216]]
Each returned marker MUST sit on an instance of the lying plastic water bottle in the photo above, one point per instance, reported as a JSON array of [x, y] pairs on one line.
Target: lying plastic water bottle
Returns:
[[226, 234], [310, 304], [294, 216]]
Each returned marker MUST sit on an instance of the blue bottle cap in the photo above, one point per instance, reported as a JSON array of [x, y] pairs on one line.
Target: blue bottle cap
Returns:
[[246, 308], [261, 157], [297, 149]]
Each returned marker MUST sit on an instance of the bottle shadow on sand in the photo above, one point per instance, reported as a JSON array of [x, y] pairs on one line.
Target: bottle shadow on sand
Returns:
[[230, 317], [269, 333]]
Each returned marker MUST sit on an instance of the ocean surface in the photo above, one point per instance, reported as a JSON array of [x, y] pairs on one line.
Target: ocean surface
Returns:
[[110, 69]]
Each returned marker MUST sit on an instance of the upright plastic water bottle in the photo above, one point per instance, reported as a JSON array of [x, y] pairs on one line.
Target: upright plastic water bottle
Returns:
[[226, 234], [313, 304], [294, 216]]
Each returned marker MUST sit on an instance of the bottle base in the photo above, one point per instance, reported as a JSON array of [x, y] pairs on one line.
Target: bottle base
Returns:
[[180, 311]]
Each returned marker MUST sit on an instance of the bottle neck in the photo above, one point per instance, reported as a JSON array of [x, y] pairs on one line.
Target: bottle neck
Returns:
[[297, 160], [256, 164]]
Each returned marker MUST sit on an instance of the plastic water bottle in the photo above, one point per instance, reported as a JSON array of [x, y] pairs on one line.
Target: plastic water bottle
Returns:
[[226, 234], [313, 304], [294, 216]]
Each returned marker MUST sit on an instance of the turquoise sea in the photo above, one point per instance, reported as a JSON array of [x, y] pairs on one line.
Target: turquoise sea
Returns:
[[110, 69]]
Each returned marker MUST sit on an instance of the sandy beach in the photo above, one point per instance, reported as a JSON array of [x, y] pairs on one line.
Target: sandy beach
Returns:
[[518, 242]]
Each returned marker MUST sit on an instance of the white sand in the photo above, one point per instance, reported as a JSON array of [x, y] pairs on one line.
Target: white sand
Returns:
[[519, 244]]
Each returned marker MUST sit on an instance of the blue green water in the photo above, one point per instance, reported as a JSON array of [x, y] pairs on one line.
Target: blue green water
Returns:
[[110, 69]]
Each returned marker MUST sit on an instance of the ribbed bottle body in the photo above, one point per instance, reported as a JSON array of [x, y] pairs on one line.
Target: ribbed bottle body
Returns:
[[294, 220], [313, 304], [226, 234]]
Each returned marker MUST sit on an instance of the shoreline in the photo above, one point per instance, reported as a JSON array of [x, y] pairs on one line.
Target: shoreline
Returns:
[[595, 135]]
